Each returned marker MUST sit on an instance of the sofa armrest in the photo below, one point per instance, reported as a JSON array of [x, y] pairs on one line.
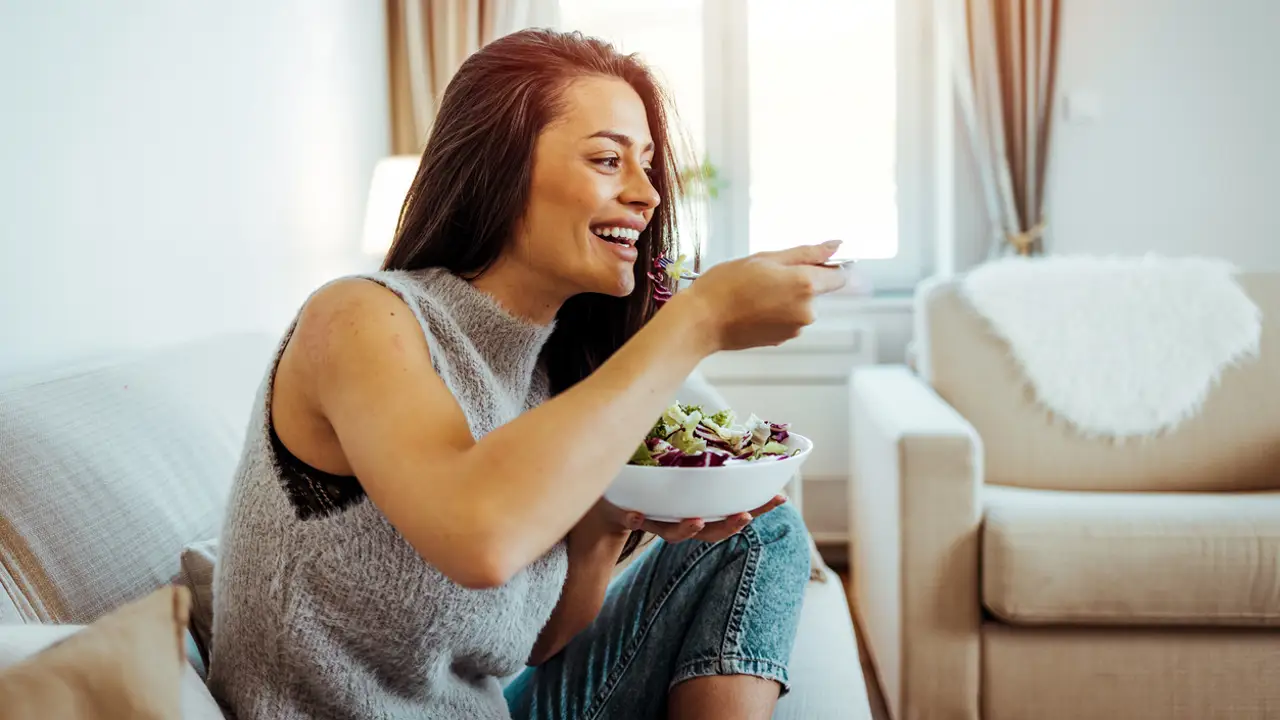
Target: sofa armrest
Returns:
[[914, 517]]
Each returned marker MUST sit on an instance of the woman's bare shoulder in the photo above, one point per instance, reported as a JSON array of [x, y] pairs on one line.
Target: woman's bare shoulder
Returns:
[[352, 337], [354, 320]]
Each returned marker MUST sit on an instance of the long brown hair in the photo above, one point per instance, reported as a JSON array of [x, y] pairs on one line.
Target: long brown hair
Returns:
[[472, 185]]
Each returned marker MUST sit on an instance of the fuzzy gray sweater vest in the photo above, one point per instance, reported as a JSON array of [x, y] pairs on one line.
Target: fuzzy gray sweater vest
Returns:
[[328, 612]]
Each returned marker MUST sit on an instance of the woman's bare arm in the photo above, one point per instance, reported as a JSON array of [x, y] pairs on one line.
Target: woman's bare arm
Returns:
[[479, 511], [359, 366]]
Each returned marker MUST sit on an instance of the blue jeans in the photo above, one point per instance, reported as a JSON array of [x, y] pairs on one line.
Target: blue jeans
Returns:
[[679, 612]]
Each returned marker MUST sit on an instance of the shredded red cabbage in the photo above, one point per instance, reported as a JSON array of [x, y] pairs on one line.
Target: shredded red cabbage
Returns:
[[686, 437], [661, 292]]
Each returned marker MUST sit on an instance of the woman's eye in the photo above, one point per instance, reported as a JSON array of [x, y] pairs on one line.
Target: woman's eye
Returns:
[[612, 163]]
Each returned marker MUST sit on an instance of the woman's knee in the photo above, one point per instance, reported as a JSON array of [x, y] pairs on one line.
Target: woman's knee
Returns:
[[784, 541], [782, 526]]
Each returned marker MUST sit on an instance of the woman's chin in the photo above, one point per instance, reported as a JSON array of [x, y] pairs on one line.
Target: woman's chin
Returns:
[[622, 290], [614, 287]]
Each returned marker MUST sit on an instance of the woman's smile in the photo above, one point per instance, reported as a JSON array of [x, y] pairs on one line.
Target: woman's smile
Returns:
[[621, 236]]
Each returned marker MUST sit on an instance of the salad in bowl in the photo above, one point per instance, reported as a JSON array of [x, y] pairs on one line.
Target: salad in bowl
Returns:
[[685, 436], [707, 465]]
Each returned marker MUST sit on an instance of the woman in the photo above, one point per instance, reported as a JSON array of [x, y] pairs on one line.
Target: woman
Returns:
[[413, 520]]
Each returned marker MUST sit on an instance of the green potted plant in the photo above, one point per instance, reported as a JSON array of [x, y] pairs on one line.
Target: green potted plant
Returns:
[[702, 180]]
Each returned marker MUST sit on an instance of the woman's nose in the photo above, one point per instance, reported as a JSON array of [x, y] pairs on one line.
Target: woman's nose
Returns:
[[640, 191]]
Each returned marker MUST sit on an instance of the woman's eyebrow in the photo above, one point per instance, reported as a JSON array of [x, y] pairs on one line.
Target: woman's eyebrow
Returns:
[[620, 138]]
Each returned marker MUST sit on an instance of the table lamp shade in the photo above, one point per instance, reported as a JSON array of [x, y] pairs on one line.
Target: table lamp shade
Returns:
[[392, 177]]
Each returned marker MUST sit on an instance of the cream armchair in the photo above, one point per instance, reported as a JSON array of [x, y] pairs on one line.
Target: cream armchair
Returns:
[[1007, 567]]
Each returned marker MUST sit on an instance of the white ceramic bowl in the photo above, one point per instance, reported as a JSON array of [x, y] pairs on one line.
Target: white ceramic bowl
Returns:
[[670, 494]]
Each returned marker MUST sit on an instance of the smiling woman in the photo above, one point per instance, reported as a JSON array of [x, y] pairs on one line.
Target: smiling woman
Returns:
[[607, 165], [418, 511], [597, 185]]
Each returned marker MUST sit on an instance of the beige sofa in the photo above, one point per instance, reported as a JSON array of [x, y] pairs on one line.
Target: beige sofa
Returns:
[[110, 467], [1006, 567]]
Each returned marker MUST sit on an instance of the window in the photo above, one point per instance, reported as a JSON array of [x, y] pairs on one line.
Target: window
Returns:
[[798, 107], [669, 35]]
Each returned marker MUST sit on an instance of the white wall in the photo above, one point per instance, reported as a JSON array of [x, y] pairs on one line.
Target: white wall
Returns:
[[170, 169], [1184, 155]]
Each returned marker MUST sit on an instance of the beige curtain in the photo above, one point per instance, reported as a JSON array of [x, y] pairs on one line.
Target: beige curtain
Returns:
[[429, 39], [1005, 65]]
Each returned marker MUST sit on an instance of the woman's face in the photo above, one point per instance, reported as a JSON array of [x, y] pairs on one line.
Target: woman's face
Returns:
[[590, 194]]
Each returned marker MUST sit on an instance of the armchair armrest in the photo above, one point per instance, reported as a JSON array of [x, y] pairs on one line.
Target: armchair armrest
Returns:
[[914, 513]]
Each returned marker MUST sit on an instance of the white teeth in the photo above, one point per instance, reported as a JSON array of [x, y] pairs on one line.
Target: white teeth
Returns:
[[631, 235]]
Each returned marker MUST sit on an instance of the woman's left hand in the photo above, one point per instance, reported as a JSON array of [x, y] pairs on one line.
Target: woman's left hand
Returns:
[[689, 529]]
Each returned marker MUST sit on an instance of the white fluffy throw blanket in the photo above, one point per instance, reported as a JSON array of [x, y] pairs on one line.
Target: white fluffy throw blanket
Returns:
[[1119, 346]]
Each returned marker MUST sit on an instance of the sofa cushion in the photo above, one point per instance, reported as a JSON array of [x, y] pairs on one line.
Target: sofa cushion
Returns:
[[107, 473], [1053, 557], [128, 664], [198, 560], [826, 673]]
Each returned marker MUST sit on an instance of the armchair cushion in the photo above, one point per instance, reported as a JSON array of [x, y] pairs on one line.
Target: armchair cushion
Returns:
[[1066, 557], [1236, 433]]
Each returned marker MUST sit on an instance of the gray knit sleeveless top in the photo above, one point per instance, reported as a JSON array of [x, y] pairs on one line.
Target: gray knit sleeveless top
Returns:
[[322, 609]]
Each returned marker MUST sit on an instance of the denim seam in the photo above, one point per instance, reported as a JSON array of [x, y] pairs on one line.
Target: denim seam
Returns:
[[732, 664], [742, 597], [624, 661]]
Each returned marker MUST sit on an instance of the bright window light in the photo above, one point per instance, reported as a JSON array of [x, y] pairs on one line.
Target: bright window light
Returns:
[[822, 96], [820, 100], [667, 34]]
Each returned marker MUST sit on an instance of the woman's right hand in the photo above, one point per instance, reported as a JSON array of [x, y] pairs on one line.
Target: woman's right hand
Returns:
[[766, 298]]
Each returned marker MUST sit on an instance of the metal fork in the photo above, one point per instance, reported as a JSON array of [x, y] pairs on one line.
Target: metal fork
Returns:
[[692, 275]]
